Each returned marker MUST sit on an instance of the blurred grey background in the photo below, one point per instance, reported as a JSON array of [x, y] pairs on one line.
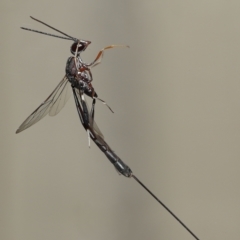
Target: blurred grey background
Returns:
[[176, 97]]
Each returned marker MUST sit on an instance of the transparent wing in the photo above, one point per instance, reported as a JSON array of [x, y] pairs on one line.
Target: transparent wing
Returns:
[[60, 98], [52, 105], [93, 124], [96, 128]]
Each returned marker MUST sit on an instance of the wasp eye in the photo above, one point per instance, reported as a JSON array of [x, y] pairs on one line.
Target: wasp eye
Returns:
[[77, 47]]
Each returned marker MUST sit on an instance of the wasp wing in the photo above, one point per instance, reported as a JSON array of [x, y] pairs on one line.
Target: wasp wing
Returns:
[[52, 105]]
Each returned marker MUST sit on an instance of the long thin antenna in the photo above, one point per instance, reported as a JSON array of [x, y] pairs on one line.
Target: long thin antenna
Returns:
[[53, 28], [48, 34], [159, 201]]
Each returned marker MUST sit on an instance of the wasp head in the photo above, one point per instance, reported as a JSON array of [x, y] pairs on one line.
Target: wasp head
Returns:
[[79, 46]]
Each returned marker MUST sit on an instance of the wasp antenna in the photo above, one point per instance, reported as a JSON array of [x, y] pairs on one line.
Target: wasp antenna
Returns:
[[74, 39], [48, 34]]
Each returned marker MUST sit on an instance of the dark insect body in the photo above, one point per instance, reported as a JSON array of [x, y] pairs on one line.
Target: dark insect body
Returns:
[[79, 77]]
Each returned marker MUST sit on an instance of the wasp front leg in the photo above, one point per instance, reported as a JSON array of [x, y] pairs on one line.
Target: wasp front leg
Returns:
[[99, 56]]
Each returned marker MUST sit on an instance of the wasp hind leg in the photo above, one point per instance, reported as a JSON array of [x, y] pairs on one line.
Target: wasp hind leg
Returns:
[[92, 112]]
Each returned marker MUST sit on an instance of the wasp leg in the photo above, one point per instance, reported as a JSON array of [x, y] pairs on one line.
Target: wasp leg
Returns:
[[104, 103], [99, 56], [92, 112]]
